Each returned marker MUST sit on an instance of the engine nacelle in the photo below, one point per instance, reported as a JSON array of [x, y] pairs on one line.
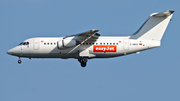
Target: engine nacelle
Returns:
[[66, 43]]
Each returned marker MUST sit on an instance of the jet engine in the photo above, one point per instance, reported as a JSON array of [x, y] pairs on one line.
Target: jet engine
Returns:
[[66, 43]]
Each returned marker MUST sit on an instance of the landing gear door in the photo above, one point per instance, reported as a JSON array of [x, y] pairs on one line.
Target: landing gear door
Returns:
[[36, 44]]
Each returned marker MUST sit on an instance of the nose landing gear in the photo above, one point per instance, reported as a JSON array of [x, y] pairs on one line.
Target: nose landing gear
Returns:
[[19, 61], [83, 61]]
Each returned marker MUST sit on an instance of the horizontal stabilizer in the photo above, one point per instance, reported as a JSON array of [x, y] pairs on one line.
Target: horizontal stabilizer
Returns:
[[163, 14]]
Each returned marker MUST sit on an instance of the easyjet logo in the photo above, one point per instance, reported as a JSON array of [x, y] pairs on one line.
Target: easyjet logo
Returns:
[[104, 48]]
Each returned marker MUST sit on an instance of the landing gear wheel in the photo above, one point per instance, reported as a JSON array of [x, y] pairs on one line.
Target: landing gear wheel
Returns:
[[19, 61], [83, 61], [83, 64]]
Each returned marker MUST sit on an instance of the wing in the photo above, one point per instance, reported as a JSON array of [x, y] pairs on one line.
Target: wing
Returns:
[[92, 34]]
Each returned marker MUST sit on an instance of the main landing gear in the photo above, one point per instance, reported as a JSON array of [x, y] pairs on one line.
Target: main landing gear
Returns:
[[83, 61], [19, 61]]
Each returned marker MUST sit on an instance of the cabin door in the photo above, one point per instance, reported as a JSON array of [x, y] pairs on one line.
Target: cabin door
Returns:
[[126, 44], [36, 44]]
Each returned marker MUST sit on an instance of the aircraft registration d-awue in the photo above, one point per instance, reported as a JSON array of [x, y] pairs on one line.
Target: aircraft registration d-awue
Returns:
[[90, 44]]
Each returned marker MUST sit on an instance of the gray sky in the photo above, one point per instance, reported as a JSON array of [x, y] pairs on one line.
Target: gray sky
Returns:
[[152, 75]]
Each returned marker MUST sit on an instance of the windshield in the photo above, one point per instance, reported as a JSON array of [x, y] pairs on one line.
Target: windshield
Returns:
[[24, 43], [20, 43]]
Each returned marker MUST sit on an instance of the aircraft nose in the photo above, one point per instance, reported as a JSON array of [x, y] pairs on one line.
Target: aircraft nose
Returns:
[[10, 52]]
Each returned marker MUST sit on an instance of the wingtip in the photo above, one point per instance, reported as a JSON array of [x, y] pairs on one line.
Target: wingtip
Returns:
[[94, 30], [171, 11]]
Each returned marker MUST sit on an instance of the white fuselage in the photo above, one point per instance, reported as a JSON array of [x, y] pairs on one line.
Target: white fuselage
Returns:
[[103, 47]]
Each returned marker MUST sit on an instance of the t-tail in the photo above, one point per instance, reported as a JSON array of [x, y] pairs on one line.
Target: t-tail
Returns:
[[154, 27]]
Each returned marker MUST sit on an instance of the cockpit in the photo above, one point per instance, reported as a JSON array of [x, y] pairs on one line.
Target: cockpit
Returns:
[[24, 43]]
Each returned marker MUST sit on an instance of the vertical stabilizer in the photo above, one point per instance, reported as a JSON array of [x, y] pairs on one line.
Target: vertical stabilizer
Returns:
[[154, 27]]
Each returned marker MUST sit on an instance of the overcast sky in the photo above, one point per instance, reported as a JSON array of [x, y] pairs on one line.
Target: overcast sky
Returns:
[[152, 75]]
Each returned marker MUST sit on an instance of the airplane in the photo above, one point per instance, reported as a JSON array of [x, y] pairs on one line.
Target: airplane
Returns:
[[90, 44]]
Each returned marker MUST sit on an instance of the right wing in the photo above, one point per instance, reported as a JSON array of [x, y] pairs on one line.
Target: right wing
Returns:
[[92, 34]]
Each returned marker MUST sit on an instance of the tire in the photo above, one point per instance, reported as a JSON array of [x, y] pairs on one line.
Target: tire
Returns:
[[83, 64], [19, 61], [84, 59]]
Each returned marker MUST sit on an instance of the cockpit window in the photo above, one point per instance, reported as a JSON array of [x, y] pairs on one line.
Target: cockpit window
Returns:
[[24, 43], [20, 43]]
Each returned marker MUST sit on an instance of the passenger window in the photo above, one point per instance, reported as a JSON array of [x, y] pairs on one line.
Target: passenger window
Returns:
[[89, 43], [83, 43], [44, 43], [100, 43], [113, 43], [96, 43], [116, 43], [54, 43], [110, 43], [47, 43], [107, 43], [104, 43], [93, 43], [86, 43]]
